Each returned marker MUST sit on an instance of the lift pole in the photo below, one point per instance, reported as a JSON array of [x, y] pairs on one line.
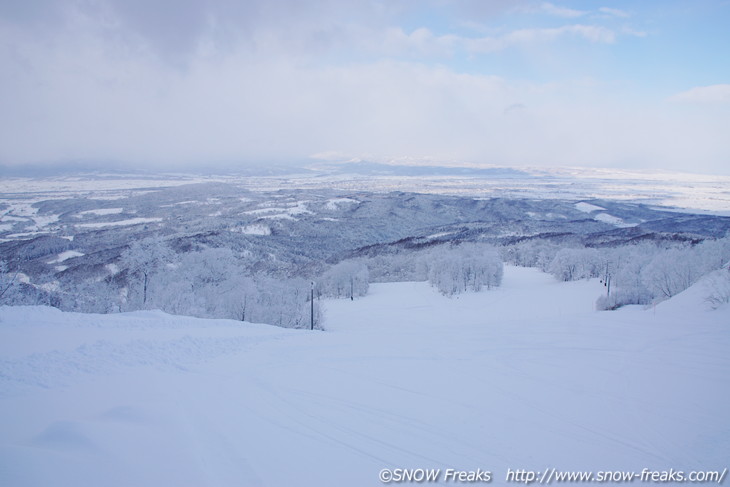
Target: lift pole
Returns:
[[311, 307]]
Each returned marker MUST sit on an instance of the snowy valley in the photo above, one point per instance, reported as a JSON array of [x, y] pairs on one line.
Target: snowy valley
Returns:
[[453, 330], [234, 247]]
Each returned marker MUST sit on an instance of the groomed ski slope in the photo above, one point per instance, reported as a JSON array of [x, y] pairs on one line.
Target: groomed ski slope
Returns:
[[527, 376]]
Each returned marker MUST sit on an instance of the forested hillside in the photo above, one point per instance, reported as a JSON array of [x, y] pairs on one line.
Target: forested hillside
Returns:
[[220, 250]]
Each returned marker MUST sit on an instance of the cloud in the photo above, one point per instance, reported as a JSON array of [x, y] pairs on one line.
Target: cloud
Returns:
[[525, 37], [550, 9], [614, 12], [423, 42], [228, 81], [514, 107], [420, 43], [557, 11], [592, 33], [714, 94], [245, 107], [175, 30]]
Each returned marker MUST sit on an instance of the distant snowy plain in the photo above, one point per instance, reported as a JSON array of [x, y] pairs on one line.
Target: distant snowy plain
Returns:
[[527, 376]]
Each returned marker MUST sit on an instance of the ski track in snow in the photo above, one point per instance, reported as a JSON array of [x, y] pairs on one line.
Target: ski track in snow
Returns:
[[524, 376], [152, 339], [59, 368]]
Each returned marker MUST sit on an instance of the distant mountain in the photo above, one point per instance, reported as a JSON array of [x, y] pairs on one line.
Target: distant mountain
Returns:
[[120, 170], [379, 169]]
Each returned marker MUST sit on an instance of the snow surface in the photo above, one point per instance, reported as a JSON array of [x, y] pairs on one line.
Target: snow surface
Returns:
[[334, 203], [68, 254], [525, 376], [602, 217], [283, 216], [286, 213], [253, 229], [101, 212], [587, 207], [260, 211], [22, 208], [439, 235], [41, 222], [119, 223], [612, 220], [8, 218]]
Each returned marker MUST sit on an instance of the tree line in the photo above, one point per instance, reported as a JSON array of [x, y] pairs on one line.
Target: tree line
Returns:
[[632, 274], [209, 282]]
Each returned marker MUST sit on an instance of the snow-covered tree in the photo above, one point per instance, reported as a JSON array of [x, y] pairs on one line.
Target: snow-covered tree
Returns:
[[531, 253], [671, 272], [7, 281], [243, 298], [714, 253], [347, 279], [627, 285], [285, 303], [469, 267], [145, 258], [718, 288], [90, 296], [573, 264]]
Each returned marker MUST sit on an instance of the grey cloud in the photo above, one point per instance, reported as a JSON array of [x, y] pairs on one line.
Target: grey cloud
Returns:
[[30, 12], [174, 30], [514, 107], [172, 26], [176, 27]]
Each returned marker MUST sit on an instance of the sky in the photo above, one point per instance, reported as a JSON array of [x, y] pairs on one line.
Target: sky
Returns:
[[183, 83]]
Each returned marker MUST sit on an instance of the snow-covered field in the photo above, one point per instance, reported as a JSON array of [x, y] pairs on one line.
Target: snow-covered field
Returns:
[[526, 376], [120, 223], [703, 193]]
